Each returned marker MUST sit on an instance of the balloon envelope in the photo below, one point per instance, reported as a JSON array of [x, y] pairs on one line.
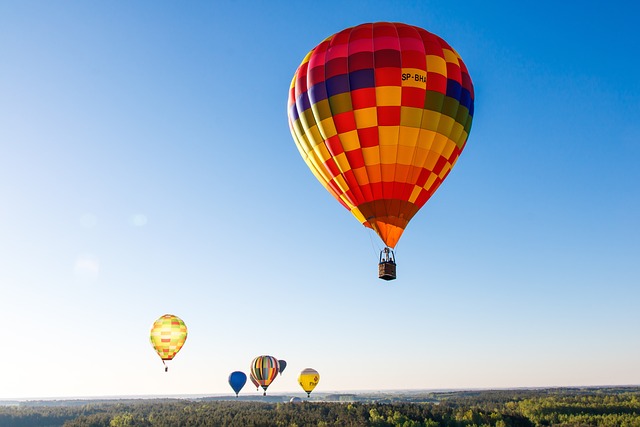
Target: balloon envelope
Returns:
[[308, 379], [264, 370], [254, 381], [282, 365], [168, 335], [237, 380], [380, 113]]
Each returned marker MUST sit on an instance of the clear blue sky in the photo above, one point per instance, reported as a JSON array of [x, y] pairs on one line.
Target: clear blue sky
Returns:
[[146, 167]]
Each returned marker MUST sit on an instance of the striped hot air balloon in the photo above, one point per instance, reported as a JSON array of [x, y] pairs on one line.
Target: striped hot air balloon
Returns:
[[264, 370], [380, 113]]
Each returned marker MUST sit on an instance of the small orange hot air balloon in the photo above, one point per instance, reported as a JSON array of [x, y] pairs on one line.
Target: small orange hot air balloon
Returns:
[[380, 113], [254, 381]]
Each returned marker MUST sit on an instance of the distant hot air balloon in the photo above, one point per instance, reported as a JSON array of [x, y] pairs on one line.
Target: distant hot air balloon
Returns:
[[308, 380], [282, 365], [264, 370], [237, 380], [380, 113], [168, 335], [254, 381]]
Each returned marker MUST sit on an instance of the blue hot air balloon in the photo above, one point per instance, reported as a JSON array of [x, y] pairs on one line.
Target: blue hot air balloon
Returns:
[[237, 380], [282, 364]]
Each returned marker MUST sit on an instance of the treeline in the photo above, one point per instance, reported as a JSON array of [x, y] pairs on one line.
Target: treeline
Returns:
[[526, 408]]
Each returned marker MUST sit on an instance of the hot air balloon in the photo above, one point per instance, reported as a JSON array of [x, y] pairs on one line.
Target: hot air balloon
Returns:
[[380, 113], [282, 365], [308, 380], [237, 380], [168, 335], [264, 370], [254, 381]]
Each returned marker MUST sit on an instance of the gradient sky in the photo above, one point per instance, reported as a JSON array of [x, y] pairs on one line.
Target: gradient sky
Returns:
[[146, 167]]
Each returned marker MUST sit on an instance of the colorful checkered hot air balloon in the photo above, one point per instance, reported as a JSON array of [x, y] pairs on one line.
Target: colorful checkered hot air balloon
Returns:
[[380, 113], [168, 335], [264, 370]]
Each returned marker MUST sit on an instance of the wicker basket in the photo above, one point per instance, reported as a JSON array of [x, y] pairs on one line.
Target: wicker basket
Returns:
[[387, 270]]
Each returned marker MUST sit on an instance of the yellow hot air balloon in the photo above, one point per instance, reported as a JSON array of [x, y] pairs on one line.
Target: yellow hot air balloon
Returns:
[[168, 335], [308, 380]]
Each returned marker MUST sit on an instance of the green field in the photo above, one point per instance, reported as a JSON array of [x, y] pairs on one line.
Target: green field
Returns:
[[594, 406]]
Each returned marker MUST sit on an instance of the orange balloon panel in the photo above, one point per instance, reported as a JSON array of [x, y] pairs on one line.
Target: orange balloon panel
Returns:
[[380, 113]]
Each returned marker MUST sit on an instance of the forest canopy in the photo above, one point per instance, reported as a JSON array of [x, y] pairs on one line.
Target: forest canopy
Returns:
[[500, 408]]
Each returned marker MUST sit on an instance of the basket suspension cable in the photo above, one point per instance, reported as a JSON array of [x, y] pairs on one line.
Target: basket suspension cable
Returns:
[[374, 246]]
